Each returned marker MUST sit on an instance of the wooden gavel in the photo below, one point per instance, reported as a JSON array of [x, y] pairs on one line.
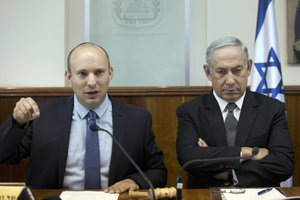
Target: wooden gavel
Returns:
[[160, 193]]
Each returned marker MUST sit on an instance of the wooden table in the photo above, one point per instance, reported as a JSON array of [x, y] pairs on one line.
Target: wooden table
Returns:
[[188, 194]]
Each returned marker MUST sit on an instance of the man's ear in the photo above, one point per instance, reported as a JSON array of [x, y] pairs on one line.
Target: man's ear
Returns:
[[111, 73], [68, 77], [207, 71], [249, 66]]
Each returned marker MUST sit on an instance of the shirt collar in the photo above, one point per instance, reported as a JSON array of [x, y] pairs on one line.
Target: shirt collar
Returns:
[[100, 110], [222, 103]]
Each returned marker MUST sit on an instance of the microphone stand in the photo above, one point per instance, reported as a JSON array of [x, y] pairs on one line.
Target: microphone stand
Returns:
[[179, 184], [95, 127]]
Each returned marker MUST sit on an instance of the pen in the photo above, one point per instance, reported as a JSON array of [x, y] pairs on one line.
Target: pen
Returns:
[[264, 191]]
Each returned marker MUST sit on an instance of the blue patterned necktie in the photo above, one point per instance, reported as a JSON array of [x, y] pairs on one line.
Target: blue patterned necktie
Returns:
[[92, 155], [231, 124]]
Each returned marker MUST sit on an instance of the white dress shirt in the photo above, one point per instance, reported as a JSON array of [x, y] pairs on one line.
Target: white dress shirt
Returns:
[[74, 172]]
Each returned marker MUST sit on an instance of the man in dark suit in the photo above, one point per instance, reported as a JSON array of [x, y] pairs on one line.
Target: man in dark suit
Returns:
[[53, 133], [258, 121]]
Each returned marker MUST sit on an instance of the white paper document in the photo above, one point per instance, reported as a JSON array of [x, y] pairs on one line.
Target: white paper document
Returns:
[[90, 195], [251, 194]]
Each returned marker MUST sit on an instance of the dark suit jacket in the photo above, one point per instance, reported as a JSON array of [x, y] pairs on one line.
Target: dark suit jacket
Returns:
[[46, 141], [262, 123]]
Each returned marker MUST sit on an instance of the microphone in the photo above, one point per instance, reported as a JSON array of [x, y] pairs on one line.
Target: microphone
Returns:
[[25, 194], [179, 184], [94, 127]]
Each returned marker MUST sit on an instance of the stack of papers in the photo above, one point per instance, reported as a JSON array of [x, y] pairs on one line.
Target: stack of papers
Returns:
[[90, 195], [251, 194]]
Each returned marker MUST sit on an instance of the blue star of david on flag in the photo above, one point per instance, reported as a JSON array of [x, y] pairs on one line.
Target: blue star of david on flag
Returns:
[[270, 73]]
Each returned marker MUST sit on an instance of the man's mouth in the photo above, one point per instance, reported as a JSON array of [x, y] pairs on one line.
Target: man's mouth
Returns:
[[230, 90], [91, 92]]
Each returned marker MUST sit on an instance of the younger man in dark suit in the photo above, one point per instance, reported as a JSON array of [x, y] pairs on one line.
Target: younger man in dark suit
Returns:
[[207, 130], [53, 133]]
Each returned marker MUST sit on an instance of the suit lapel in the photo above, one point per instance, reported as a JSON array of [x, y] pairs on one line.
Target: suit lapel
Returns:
[[118, 133], [246, 120], [64, 120], [215, 119]]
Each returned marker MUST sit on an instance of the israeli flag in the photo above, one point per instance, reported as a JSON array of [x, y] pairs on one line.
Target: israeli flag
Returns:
[[266, 69], [266, 77]]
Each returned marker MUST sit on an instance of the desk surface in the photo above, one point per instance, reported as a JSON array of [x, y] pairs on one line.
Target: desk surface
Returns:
[[188, 194]]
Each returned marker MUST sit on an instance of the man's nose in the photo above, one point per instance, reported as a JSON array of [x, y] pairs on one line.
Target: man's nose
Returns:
[[91, 80], [230, 78]]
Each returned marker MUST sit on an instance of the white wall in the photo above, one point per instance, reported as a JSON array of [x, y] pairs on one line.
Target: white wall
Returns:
[[33, 43]]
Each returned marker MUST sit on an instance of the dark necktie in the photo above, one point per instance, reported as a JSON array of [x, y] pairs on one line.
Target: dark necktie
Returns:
[[230, 124], [92, 155]]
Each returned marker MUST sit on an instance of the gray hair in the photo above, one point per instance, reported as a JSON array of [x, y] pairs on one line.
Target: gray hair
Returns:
[[222, 43]]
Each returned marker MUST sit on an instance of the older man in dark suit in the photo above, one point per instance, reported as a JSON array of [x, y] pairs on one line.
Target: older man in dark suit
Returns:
[[56, 134], [230, 122]]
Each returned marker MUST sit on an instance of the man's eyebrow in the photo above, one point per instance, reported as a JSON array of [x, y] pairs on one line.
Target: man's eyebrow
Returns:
[[239, 66]]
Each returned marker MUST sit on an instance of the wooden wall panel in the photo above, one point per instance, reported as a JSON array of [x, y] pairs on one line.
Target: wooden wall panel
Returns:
[[161, 102], [163, 111], [293, 113]]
